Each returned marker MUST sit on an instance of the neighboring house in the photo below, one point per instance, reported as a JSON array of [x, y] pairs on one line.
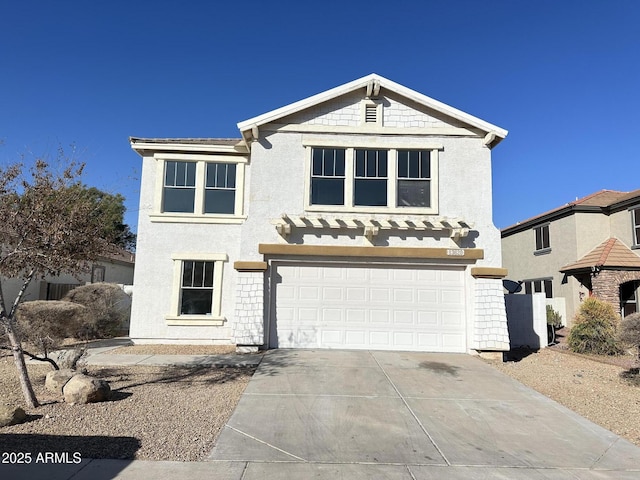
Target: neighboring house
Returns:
[[586, 247], [358, 218], [115, 268]]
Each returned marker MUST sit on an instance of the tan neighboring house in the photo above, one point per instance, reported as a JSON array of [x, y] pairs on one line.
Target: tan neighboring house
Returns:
[[587, 247], [116, 268]]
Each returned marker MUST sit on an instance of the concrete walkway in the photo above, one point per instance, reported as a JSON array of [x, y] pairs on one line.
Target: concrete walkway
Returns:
[[391, 415], [98, 355]]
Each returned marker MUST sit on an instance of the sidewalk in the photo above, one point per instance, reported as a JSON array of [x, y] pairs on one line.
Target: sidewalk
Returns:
[[97, 355]]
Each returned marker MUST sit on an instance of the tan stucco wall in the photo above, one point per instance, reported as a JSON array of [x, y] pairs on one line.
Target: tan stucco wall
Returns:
[[621, 227], [519, 259]]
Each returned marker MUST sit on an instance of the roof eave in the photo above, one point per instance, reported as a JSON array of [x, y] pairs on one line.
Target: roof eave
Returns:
[[141, 147], [247, 125], [548, 217]]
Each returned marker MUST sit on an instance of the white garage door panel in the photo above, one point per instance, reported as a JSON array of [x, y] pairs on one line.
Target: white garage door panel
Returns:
[[347, 306]]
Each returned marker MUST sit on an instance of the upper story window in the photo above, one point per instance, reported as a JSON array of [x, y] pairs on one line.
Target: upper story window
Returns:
[[542, 238], [370, 184], [199, 188], [327, 176], [220, 188], [414, 178], [373, 180], [179, 187], [635, 222]]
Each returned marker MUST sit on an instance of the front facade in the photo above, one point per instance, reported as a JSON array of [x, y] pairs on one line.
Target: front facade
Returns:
[[356, 218], [587, 247]]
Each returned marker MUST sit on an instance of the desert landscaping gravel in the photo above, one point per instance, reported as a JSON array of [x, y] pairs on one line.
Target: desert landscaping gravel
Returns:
[[156, 413], [594, 388], [177, 413]]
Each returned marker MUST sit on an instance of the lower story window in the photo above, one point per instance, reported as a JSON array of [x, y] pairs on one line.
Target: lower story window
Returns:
[[539, 286], [196, 296], [197, 285]]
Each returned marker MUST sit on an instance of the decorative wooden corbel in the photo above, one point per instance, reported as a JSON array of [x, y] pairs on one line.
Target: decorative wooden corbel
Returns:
[[370, 231]]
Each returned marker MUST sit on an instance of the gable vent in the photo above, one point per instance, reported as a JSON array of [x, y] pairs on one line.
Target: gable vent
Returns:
[[371, 114]]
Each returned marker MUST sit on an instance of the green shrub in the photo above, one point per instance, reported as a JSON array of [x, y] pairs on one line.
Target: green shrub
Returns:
[[595, 329]]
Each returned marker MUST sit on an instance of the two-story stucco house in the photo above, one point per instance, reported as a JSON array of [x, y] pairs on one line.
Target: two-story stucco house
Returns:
[[360, 217], [587, 247]]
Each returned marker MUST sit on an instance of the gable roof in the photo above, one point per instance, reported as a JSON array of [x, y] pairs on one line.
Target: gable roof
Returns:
[[373, 83], [603, 201], [610, 254]]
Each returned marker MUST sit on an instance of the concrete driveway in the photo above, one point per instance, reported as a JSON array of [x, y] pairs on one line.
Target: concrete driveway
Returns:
[[396, 415]]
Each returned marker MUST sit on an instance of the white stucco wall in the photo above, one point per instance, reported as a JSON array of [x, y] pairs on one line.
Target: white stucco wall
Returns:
[[153, 282], [274, 184], [460, 161]]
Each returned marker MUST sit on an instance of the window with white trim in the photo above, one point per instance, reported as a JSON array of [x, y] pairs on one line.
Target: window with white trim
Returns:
[[414, 178], [220, 188], [179, 192], [635, 224], [199, 187], [327, 176], [372, 180], [197, 289]]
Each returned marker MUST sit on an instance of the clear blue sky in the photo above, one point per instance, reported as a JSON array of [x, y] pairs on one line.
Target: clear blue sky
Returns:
[[563, 76]]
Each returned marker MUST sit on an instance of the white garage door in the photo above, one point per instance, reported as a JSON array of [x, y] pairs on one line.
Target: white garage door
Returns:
[[365, 307]]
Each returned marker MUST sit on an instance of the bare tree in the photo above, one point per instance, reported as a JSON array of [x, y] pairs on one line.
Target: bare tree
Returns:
[[49, 226]]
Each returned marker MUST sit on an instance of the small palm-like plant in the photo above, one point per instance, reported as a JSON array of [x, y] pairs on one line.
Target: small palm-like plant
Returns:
[[554, 321], [595, 329]]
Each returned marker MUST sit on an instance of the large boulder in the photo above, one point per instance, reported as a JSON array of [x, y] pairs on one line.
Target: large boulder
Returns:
[[11, 415], [85, 389], [57, 379]]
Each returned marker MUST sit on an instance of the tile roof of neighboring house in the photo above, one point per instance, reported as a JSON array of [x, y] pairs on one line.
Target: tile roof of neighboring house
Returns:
[[611, 253], [122, 256], [605, 198], [602, 200]]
